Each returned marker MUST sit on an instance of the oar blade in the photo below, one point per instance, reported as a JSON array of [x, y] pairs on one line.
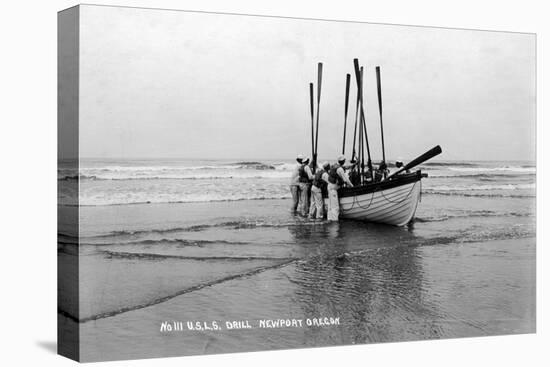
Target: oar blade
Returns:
[[311, 98], [347, 94], [379, 87], [319, 83], [424, 157], [357, 77], [319, 80], [419, 160], [346, 113]]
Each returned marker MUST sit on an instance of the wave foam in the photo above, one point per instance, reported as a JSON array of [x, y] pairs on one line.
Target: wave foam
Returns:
[[481, 187], [516, 169]]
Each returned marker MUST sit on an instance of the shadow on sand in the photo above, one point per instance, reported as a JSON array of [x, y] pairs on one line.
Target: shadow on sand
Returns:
[[50, 346]]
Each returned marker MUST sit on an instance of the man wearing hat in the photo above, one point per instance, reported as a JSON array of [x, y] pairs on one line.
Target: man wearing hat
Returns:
[[336, 179], [319, 184], [305, 177], [382, 172], [399, 164], [295, 184]]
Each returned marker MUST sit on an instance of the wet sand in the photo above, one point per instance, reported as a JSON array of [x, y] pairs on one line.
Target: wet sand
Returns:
[[469, 271]]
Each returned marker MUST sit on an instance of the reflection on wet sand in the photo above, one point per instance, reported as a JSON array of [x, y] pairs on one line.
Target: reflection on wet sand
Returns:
[[431, 280], [370, 289]]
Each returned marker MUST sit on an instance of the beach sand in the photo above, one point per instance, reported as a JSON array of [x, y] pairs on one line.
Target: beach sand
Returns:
[[451, 274]]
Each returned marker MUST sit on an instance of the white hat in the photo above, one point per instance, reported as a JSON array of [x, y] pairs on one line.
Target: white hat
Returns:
[[325, 164], [341, 158], [399, 160], [300, 158], [305, 160]]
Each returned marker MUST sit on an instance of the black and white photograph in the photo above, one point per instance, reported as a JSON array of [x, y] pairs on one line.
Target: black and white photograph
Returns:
[[237, 183]]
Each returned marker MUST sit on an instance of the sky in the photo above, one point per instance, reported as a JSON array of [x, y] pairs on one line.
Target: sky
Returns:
[[174, 84]]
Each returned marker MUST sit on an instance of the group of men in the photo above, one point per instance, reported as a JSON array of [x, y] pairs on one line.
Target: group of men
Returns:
[[307, 186]]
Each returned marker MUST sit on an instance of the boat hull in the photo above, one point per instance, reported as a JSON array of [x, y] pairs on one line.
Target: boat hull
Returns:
[[391, 202]]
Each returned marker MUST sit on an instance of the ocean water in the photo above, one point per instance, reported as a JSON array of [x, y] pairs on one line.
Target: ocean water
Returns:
[[214, 242], [120, 182]]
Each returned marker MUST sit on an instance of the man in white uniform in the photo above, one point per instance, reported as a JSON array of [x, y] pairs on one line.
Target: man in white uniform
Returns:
[[336, 179], [319, 184], [295, 184], [305, 176]]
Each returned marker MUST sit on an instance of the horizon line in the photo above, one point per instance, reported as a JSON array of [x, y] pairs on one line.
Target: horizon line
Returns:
[[285, 158]]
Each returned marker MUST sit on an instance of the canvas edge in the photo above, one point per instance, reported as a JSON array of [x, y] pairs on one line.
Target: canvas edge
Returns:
[[68, 328]]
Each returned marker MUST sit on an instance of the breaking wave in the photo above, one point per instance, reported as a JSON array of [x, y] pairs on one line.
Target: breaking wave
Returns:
[[112, 183], [254, 271], [150, 256], [449, 164], [235, 224], [115, 201], [487, 195], [179, 242], [446, 188], [497, 175], [242, 169], [517, 169], [469, 214]]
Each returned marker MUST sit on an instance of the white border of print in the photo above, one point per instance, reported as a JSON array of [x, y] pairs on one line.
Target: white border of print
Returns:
[[28, 151]]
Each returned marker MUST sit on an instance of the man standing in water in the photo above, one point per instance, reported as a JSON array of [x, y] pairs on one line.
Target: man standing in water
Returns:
[[305, 176], [295, 184], [320, 181], [336, 179]]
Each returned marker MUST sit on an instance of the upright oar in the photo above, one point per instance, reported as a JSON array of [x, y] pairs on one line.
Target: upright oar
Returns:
[[346, 114], [312, 119], [380, 109], [361, 152], [362, 111], [319, 80], [353, 154], [369, 162]]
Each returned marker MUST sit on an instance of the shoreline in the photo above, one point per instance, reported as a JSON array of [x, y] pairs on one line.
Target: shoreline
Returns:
[[506, 308]]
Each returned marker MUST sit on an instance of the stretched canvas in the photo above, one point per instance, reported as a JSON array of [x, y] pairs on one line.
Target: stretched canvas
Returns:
[[233, 183]]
